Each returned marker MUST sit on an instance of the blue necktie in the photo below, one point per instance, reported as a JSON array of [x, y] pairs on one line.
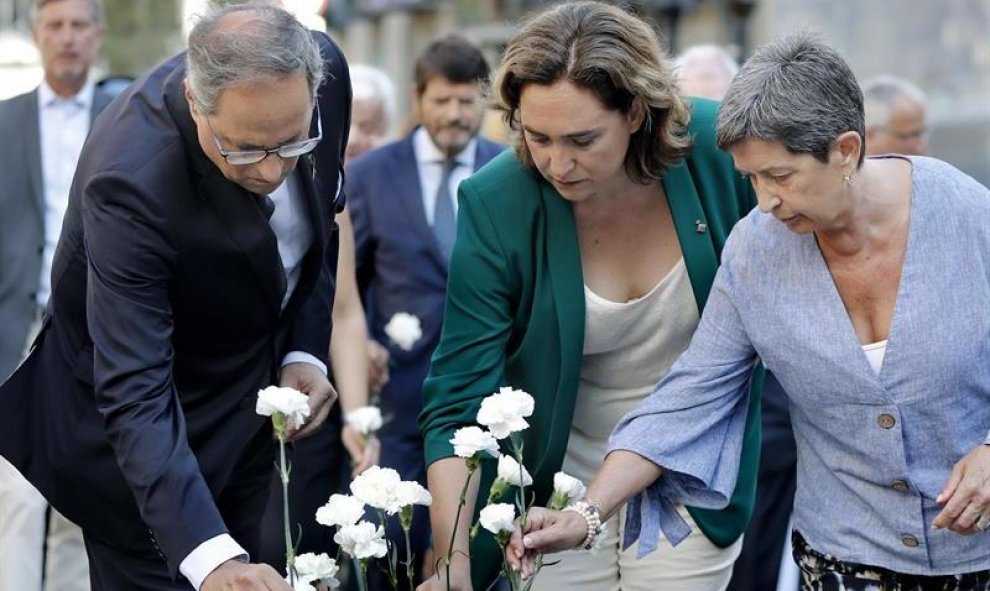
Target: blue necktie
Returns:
[[444, 221]]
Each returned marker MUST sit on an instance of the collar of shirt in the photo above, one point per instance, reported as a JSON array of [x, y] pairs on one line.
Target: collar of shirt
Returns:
[[84, 98], [428, 154]]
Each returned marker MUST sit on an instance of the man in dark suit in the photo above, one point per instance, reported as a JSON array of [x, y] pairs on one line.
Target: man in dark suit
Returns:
[[194, 268], [402, 201], [43, 133]]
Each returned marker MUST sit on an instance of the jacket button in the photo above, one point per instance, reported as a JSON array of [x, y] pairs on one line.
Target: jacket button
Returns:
[[899, 485], [909, 541], [886, 421]]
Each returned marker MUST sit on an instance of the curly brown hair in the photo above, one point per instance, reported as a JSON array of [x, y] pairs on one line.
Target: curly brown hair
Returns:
[[615, 55]]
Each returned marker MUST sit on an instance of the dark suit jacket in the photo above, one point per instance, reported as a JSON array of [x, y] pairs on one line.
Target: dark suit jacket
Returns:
[[134, 415], [515, 314], [22, 225], [399, 265]]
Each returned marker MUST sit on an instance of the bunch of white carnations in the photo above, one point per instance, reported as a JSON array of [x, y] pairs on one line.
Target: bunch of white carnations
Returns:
[[382, 490], [504, 414]]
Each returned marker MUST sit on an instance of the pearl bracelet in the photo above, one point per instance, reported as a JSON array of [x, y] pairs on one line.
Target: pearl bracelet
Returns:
[[592, 515]]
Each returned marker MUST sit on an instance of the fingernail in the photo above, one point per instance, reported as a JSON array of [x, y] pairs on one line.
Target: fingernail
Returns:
[[528, 542]]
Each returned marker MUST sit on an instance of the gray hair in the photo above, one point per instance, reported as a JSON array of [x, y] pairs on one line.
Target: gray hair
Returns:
[[796, 91], [697, 53], [269, 46], [371, 84], [880, 93], [99, 14]]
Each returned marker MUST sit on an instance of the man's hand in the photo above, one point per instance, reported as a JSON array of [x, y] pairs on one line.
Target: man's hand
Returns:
[[364, 452], [234, 575], [378, 359], [308, 379], [966, 495]]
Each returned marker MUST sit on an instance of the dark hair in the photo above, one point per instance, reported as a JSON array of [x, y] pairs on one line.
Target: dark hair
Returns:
[[616, 56], [797, 91], [452, 57]]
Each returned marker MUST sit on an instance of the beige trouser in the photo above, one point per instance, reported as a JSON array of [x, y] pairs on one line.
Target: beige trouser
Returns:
[[693, 565], [22, 536]]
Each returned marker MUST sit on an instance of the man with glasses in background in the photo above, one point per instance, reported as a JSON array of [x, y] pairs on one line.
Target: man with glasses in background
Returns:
[[195, 267], [895, 116]]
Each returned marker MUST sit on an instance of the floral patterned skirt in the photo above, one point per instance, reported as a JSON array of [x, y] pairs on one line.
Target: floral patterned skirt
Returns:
[[821, 572]]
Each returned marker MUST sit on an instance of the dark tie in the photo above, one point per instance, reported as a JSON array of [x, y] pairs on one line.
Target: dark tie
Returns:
[[444, 222], [267, 206]]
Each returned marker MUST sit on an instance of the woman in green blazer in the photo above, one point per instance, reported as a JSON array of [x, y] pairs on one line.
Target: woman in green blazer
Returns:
[[615, 180]]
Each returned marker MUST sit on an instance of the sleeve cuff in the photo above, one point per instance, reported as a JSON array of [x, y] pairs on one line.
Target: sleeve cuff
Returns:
[[206, 557], [303, 357]]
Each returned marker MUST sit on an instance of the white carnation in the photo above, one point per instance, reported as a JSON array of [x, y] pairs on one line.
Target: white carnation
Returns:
[[404, 329], [362, 540], [290, 402], [470, 441], [503, 412], [340, 510], [568, 486], [509, 470], [498, 517], [365, 420], [411, 493], [377, 488], [311, 567]]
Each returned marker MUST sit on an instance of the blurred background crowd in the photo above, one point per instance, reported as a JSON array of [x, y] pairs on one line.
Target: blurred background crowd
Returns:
[[942, 47]]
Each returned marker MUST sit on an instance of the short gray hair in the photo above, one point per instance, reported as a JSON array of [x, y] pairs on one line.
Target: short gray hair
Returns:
[[267, 47], [99, 14], [797, 91], [371, 84], [880, 93]]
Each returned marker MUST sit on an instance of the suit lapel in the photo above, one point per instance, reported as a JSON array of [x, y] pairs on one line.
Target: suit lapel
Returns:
[[32, 148], [244, 222], [407, 189], [692, 231]]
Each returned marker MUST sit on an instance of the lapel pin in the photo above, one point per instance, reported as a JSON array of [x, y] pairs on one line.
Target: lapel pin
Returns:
[[700, 227]]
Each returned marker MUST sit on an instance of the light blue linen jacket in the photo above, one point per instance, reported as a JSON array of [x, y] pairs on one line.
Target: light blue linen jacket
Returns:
[[860, 437]]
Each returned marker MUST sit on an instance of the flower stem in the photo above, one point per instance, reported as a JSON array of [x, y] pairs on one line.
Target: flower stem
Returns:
[[361, 566], [472, 465], [410, 575], [393, 577], [283, 470]]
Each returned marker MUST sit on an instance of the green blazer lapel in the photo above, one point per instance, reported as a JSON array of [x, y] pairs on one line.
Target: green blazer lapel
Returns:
[[692, 231], [567, 284]]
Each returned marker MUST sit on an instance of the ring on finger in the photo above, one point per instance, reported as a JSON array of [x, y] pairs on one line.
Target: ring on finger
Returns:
[[983, 523]]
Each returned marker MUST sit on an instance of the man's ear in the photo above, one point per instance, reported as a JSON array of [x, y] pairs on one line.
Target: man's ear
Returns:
[[189, 98]]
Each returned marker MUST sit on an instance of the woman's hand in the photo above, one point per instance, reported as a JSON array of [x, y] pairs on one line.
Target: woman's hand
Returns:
[[460, 575], [546, 532], [364, 452], [966, 495]]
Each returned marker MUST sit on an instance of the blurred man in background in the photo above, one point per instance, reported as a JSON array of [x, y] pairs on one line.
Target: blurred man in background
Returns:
[[43, 133], [895, 116], [706, 71], [402, 199]]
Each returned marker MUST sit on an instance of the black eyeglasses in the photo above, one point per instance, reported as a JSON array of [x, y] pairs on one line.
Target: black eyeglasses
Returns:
[[290, 150]]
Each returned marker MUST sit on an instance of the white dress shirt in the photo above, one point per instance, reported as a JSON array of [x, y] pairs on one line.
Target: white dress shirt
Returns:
[[291, 224], [63, 123], [429, 161]]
